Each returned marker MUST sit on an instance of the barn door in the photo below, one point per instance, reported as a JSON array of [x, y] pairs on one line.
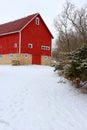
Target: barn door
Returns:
[[36, 59]]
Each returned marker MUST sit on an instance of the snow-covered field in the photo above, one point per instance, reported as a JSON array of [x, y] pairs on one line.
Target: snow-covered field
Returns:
[[34, 98]]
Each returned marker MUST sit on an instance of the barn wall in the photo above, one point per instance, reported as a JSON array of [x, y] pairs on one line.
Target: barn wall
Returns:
[[8, 58], [45, 60], [7, 43], [38, 35], [27, 60]]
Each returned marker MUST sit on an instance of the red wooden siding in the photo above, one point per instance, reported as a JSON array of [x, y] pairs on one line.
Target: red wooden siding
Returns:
[[7, 43], [38, 35]]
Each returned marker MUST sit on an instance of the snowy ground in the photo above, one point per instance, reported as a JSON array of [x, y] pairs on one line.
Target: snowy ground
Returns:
[[34, 98]]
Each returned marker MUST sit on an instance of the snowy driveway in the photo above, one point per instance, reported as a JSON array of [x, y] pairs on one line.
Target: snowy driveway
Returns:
[[33, 98]]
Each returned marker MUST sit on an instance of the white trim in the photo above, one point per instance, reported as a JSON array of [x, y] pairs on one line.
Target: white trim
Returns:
[[37, 21], [42, 47], [30, 45], [47, 48], [19, 42], [9, 33], [29, 22], [20, 29]]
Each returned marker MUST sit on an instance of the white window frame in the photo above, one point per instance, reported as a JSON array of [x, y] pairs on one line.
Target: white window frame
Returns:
[[45, 47], [11, 55], [42, 47], [37, 21], [26, 55], [30, 45]]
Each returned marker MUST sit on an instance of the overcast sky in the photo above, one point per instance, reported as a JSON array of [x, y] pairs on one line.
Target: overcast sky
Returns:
[[49, 9]]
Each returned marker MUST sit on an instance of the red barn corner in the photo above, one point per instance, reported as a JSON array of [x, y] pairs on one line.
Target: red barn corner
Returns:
[[27, 40]]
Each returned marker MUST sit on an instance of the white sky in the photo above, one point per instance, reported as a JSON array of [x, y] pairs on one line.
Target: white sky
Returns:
[[49, 9]]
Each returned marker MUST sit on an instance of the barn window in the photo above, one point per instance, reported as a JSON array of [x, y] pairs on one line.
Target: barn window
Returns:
[[0, 56], [11, 55], [15, 45], [30, 45], [46, 57], [45, 47], [42, 47], [25, 55], [37, 21]]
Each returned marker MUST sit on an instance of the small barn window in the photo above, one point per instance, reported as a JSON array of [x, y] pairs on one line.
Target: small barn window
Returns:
[[45, 47], [15, 45], [46, 57], [0, 56], [11, 55], [37, 20], [25, 55], [42, 47], [30, 45]]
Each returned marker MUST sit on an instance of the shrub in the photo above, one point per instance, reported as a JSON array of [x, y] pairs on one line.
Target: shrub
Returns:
[[73, 71], [59, 65], [78, 64]]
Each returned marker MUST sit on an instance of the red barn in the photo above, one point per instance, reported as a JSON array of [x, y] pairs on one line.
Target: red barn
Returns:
[[27, 40]]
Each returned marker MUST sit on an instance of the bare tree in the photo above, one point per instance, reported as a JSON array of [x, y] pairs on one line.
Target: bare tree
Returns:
[[78, 19], [62, 27], [71, 26]]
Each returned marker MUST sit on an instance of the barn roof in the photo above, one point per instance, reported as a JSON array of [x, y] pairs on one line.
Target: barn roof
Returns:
[[17, 25]]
